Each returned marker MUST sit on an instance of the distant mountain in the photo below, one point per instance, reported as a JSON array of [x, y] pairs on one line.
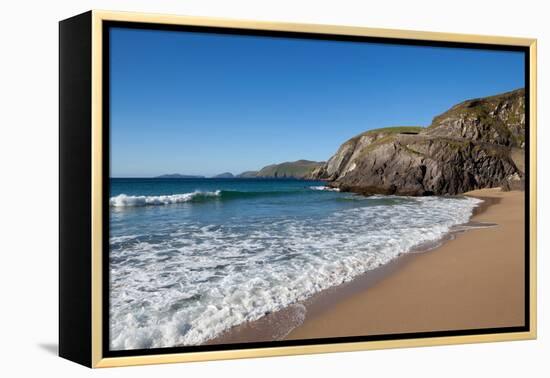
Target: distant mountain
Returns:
[[178, 176], [295, 169], [248, 174], [224, 175]]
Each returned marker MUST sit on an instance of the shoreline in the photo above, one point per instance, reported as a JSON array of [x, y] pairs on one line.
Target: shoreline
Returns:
[[443, 286]]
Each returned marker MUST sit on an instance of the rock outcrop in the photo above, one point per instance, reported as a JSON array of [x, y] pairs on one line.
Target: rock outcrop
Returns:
[[476, 144]]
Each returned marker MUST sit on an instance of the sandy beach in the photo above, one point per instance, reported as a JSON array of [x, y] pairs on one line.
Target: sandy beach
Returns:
[[475, 280]]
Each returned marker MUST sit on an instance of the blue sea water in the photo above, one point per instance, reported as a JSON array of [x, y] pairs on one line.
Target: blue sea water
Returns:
[[190, 258]]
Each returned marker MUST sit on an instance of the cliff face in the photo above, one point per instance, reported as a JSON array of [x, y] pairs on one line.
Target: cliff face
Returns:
[[476, 144]]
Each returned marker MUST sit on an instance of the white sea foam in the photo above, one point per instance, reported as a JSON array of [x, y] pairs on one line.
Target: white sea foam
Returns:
[[201, 280], [327, 188], [123, 200]]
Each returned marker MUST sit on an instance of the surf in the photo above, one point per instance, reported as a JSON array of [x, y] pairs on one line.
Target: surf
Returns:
[[125, 200]]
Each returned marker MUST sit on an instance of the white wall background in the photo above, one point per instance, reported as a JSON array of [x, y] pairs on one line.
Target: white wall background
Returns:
[[28, 186]]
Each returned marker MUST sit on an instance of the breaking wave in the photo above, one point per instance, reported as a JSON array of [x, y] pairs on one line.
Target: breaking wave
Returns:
[[124, 200]]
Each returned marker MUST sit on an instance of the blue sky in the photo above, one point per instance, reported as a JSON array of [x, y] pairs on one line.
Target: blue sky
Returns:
[[197, 103]]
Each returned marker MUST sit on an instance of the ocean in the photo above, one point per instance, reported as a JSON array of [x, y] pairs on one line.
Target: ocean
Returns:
[[190, 258]]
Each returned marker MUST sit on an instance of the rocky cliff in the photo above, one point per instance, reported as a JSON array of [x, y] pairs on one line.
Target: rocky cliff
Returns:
[[476, 144]]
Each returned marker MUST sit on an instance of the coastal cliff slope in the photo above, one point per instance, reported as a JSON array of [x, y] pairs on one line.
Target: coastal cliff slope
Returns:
[[476, 144]]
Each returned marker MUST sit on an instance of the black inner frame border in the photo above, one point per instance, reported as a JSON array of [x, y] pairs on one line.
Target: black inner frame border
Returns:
[[107, 25]]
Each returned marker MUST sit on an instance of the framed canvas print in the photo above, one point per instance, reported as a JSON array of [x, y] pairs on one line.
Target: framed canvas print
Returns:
[[235, 189]]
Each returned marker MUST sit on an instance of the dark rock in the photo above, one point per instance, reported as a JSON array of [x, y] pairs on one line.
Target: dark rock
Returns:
[[476, 144]]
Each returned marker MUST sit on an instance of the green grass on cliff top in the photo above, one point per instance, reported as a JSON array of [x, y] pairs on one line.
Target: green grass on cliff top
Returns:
[[390, 130], [397, 129]]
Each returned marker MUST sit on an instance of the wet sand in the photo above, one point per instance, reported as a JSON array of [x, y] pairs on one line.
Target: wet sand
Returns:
[[475, 280]]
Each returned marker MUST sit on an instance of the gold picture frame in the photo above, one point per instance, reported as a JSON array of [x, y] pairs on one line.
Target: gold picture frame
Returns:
[[90, 329]]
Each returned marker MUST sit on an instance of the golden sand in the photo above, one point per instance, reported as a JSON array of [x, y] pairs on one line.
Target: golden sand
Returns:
[[473, 281]]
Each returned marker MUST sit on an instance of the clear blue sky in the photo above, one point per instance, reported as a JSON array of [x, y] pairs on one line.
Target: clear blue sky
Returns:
[[196, 103]]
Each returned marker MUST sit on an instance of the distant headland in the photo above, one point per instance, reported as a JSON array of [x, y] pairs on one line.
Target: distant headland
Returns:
[[300, 169], [178, 176]]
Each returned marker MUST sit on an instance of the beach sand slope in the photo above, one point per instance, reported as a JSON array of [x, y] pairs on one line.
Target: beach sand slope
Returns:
[[474, 281]]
